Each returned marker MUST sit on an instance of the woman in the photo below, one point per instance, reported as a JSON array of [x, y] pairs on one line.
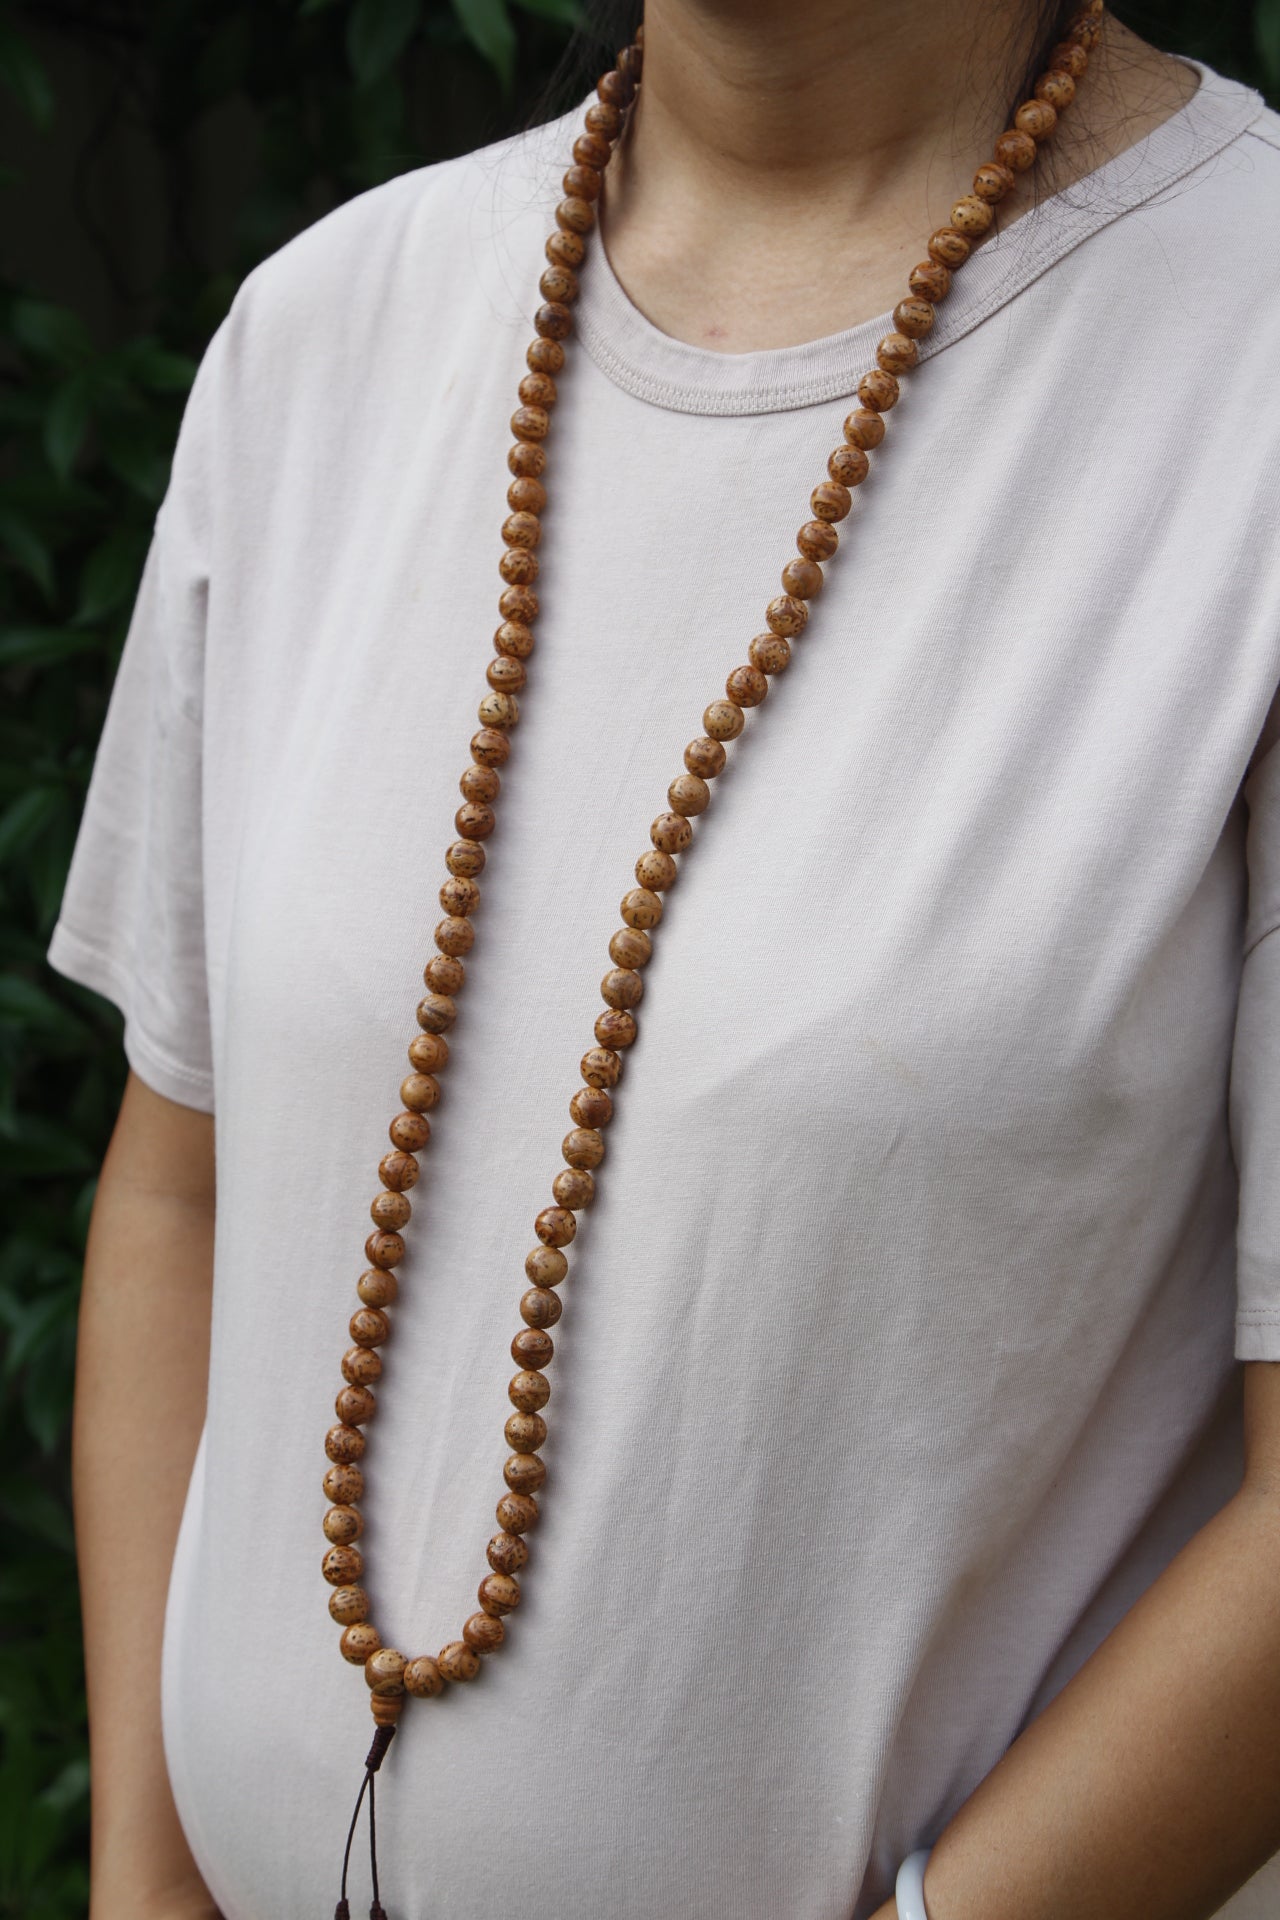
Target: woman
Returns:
[[905, 1488]]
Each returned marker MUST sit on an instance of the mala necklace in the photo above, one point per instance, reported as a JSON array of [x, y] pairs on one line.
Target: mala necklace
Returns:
[[391, 1677]]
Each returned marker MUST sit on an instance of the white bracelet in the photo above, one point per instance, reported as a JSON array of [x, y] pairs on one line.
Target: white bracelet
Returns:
[[908, 1889]]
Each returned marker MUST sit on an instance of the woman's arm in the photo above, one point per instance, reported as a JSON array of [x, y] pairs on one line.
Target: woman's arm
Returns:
[[1150, 1788], [140, 1397]]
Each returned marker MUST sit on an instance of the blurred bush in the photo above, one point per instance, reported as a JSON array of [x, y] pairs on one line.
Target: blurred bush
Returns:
[[197, 136]]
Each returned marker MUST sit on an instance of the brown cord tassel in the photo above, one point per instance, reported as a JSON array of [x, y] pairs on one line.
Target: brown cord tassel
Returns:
[[383, 1736]]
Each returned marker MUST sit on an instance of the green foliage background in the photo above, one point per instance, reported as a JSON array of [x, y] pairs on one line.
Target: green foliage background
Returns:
[[244, 121]]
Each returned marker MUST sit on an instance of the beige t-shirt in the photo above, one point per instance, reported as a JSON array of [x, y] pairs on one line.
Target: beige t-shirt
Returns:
[[899, 1351]]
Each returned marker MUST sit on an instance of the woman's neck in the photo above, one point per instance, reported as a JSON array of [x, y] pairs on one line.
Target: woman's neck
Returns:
[[786, 164]]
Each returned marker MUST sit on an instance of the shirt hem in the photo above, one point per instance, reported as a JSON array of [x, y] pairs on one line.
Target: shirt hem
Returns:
[[89, 965]]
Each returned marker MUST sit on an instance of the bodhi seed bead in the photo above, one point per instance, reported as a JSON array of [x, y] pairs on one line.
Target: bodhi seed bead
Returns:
[[343, 1485], [628, 947], [770, 653], [848, 467], [465, 856], [573, 1188], [420, 1091], [705, 757], [600, 1067], [591, 1107], [617, 1029], [434, 1049], [555, 1226], [384, 1249], [524, 1433], [481, 784], [928, 281], [342, 1525], [539, 1307], [1059, 89], [361, 1366], [507, 1553], [499, 1593], [641, 907], [459, 897], [342, 1566], [671, 833], [830, 501], [949, 249], [369, 1328], [689, 795], [349, 1605], [358, 1642], [458, 1662], [525, 1472], [344, 1444], [746, 686], [384, 1671], [488, 749], [423, 1678], [914, 318], [517, 1512], [622, 987], [803, 578], [722, 720], [817, 539], [546, 1266], [897, 353], [444, 974], [878, 389], [399, 1171], [583, 1147], [390, 1210], [410, 1132], [529, 1391], [1037, 118], [377, 1289], [483, 1633], [786, 614], [355, 1406], [1016, 150], [993, 182], [655, 871]]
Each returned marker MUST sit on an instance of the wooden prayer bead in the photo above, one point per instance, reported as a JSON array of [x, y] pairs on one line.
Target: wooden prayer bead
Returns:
[[368, 1327], [722, 720], [343, 1485], [993, 183], [390, 1210], [384, 1671], [746, 686], [361, 1366], [1016, 150], [519, 567], [544, 356], [499, 1593], [830, 501], [642, 908], [583, 1147], [377, 1289], [877, 390], [600, 1067], [354, 1406], [358, 1642], [458, 1662], [1037, 118], [1057, 88], [573, 1188], [344, 1444], [803, 578], [399, 1171], [971, 217], [529, 1391], [589, 150], [671, 833], [628, 947], [525, 1472], [546, 1266], [483, 1633], [786, 614], [564, 248], [622, 987], [1068, 58], [591, 1107], [559, 285], [515, 639], [603, 119], [581, 183], [555, 1226], [342, 1566], [848, 467], [498, 710], [524, 1433], [517, 1512], [526, 457], [576, 216], [423, 1678], [539, 1307], [553, 320], [949, 249], [705, 757], [897, 353], [410, 1132], [342, 1525], [437, 1011], [444, 974], [928, 281], [689, 795], [817, 540], [526, 496], [770, 653], [537, 390], [420, 1091], [529, 423], [384, 1249], [614, 1028], [1083, 31], [657, 871], [456, 936], [522, 530], [507, 1553], [914, 318], [506, 675], [349, 1605], [461, 897]]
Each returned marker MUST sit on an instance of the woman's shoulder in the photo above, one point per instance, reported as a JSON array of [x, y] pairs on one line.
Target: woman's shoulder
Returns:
[[389, 265]]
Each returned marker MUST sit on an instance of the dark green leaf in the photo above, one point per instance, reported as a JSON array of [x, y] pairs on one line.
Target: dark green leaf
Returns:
[[1266, 26], [35, 1510], [110, 577], [24, 76], [153, 367], [566, 13], [51, 333], [67, 422], [378, 31], [24, 1004], [26, 818], [487, 25], [20, 539], [43, 646]]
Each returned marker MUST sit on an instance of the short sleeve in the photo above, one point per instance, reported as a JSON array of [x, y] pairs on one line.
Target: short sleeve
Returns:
[[1255, 1068], [131, 924]]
